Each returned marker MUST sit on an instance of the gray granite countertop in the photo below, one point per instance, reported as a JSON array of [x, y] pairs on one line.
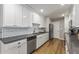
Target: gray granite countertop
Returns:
[[10, 39], [15, 38]]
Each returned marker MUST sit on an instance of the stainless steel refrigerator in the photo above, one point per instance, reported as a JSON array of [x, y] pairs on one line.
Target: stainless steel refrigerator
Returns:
[[50, 31]]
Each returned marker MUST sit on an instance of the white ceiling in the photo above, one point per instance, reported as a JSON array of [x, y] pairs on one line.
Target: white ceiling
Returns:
[[51, 10]]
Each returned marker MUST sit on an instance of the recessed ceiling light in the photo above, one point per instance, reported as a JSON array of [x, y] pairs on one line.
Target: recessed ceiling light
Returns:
[[62, 4], [24, 16], [41, 10], [62, 15]]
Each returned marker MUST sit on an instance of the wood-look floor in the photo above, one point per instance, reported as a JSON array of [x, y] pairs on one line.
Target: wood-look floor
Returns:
[[54, 46]]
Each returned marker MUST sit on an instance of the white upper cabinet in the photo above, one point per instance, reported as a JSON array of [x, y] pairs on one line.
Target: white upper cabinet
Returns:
[[36, 18], [39, 19], [77, 16], [1, 15], [18, 15], [12, 15], [8, 15], [75, 19], [27, 17], [42, 22]]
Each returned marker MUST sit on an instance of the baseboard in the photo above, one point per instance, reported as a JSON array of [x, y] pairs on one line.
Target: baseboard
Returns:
[[58, 38]]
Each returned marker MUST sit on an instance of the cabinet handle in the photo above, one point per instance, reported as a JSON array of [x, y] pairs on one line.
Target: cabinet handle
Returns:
[[19, 42], [19, 46]]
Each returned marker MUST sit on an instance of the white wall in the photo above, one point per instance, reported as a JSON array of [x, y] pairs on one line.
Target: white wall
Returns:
[[58, 29], [62, 29]]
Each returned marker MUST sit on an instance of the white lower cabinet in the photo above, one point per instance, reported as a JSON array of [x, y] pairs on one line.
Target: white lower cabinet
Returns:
[[18, 47], [41, 39], [23, 48]]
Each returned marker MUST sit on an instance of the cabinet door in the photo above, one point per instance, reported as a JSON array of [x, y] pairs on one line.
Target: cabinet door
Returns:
[[1, 15], [36, 18], [38, 43], [46, 37], [76, 16], [42, 22], [41, 39], [11, 48], [27, 17], [18, 15], [8, 15], [18, 47], [22, 46]]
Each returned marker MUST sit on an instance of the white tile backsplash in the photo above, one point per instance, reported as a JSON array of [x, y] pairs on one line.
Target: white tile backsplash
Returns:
[[0, 32], [14, 31], [8, 32]]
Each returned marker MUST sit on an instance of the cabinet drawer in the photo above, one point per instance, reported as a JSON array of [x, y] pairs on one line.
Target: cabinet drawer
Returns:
[[15, 47], [20, 42]]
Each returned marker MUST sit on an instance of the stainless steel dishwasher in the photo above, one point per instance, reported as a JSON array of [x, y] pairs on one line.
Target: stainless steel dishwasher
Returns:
[[31, 44]]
